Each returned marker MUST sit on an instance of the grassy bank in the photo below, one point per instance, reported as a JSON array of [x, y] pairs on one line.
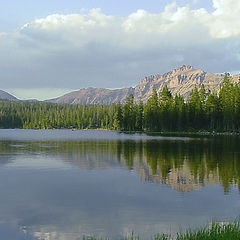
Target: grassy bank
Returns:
[[230, 231]]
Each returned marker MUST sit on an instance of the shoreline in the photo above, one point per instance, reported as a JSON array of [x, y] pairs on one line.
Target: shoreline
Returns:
[[197, 133], [158, 133]]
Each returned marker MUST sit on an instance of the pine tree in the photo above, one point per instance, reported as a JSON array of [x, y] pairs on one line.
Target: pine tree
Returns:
[[129, 114], [118, 118], [151, 112]]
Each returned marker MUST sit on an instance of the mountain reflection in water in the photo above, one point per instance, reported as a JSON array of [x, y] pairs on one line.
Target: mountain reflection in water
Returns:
[[185, 165]]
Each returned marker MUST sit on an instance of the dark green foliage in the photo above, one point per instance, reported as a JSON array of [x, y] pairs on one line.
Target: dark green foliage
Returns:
[[139, 117], [129, 114], [51, 116], [215, 232], [152, 112], [204, 111]]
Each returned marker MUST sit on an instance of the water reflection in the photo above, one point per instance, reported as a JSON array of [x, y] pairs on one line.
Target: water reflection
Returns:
[[185, 165], [66, 189]]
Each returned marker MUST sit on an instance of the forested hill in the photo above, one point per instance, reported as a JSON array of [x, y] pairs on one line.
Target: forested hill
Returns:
[[204, 110], [180, 81], [6, 96]]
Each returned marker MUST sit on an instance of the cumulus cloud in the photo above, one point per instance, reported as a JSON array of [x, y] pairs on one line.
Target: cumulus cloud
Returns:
[[98, 50]]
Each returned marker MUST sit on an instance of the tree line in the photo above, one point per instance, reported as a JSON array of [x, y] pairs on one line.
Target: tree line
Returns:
[[204, 110]]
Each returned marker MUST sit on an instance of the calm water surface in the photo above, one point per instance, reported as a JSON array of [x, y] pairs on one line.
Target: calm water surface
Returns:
[[62, 184]]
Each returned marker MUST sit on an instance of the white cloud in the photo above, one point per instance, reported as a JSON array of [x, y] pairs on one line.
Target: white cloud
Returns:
[[225, 19], [94, 49]]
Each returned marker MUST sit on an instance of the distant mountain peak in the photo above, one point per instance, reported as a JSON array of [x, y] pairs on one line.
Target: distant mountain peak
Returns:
[[185, 67], [6, 96]]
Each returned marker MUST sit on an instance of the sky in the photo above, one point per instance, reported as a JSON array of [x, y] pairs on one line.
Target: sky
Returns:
[[48, 48]]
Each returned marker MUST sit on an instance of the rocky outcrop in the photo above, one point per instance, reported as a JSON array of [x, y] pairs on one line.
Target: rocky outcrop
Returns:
[[180, 81]]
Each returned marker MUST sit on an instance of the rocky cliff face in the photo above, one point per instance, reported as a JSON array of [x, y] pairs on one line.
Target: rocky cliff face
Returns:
[[180, 81], [7, 96]]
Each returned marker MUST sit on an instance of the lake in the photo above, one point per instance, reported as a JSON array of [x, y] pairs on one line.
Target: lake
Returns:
[[63, 184]]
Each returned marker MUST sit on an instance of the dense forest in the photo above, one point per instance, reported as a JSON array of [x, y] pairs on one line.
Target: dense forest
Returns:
[[204, 110]]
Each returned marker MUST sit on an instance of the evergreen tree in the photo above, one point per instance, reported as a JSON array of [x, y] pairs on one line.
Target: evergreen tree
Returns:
[[226, 96], [118, 118], [151, 112], [139, 117], [129, 114], [166, 109]]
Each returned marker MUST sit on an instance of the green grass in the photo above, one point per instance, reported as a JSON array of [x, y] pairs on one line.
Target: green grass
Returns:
[[230, 231]]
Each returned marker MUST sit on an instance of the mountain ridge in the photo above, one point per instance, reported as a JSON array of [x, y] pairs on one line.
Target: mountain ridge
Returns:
[[181, 80]]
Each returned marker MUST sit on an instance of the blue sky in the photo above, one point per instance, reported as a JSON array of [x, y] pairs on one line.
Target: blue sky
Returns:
[[48, 48]]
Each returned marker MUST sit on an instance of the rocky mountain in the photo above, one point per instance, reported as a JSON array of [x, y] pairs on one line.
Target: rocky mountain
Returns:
[[95, 95], [6, 96], [180, 81]]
